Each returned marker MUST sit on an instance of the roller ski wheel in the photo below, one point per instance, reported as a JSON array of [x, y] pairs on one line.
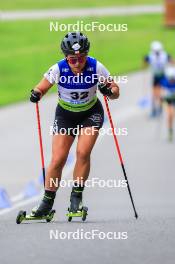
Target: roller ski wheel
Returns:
[[80, 213], [84, 213], [20, 217], [69, 218], [50, 216]]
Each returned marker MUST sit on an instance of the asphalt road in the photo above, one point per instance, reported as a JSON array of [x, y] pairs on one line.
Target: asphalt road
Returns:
[[149, 161]]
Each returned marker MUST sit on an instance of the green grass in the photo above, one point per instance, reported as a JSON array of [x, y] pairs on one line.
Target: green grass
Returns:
[[28, 49], [35, 4]]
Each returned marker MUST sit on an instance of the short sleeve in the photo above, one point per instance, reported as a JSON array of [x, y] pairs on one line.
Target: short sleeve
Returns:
[[102, 71], [53, 74]]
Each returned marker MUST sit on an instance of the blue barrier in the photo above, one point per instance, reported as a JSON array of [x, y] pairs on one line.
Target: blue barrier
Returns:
[[4, 199], [30, 190], [144, 102]]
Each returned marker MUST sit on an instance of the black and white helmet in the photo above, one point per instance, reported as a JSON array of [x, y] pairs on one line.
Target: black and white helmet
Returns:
[[75, 43], [156, 46]]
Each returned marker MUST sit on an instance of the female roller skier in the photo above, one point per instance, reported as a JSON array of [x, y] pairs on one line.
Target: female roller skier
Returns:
[[78, 105]]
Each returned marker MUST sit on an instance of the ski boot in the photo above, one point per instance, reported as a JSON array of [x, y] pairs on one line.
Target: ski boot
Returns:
[[42, 212], [76, 207]]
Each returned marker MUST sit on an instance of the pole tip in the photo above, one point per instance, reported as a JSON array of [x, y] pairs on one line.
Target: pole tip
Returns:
[[136, 215]]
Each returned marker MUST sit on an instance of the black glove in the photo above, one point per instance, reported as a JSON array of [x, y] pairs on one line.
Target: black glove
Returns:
[[35, 96], [104, 89]]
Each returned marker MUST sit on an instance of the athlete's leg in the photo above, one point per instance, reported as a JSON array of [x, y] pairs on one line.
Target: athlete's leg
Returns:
[[86, 140], [170, 112], [156, 100], [85, 145], [170, 117], [60, 149]]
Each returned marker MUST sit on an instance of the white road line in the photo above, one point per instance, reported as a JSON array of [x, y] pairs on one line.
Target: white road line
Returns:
[[83, 12]]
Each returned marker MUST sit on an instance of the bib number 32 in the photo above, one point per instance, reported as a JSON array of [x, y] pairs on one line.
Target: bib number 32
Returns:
[[79, 96]]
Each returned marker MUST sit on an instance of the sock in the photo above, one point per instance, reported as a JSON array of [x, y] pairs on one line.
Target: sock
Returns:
[[49, 196], [78, 188]]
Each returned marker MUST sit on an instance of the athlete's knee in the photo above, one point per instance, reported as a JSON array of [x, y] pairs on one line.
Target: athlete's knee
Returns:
[[83, 155], [58, 162]]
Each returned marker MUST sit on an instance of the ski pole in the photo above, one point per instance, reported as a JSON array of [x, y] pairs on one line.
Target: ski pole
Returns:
[[40, 141], [119, 154]]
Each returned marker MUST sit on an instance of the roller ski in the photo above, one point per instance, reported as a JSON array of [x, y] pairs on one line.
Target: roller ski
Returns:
[[43, 212], [76, 207]]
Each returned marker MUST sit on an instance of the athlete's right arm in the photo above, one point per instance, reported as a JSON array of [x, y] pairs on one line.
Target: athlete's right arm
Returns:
[[41, 88], [50, 78], [145, 62]]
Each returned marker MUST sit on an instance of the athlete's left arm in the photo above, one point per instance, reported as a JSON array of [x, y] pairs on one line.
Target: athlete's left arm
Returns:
[[102, 71], [170, 59], [115, 90]]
